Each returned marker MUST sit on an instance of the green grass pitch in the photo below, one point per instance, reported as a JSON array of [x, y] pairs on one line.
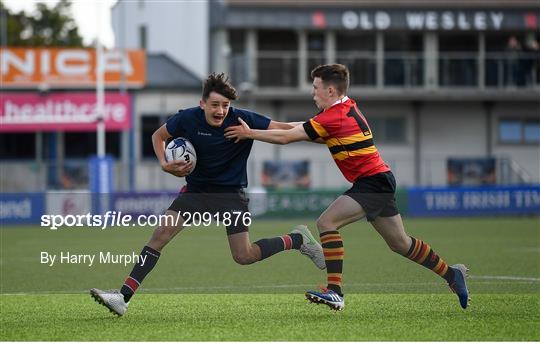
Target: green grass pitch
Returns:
[[197, 292]]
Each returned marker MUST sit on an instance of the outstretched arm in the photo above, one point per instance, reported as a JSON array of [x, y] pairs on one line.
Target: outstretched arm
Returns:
[[275, 136], [290, 125], [279, 125]]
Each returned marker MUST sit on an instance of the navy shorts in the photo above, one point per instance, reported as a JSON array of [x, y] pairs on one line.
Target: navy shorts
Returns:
[[376, 195], [215, 200]]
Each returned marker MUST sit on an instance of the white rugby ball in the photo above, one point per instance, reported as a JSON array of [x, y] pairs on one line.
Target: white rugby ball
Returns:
[[181, 149]]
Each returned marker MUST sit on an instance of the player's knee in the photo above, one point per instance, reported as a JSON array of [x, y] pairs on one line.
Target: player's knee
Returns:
[[162, 236], [243, 259], [324, 224], [399, 246]]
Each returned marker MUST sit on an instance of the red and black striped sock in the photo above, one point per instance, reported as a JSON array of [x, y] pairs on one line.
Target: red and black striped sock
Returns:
[[422, 253], [139, 272], [332, 245], [271, 246]]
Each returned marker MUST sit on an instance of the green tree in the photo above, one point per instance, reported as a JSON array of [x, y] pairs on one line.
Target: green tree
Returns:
[[53, 26]]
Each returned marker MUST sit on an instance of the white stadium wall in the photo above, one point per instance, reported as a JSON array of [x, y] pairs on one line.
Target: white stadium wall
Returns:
[[449, 130], [178, 28], [527, 156]]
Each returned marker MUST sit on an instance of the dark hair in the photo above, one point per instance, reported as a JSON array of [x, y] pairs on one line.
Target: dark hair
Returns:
[[218, 83], [334, 74]]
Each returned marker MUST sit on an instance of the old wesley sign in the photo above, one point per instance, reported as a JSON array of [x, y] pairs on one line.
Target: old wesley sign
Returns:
[[428, 20], [380, 20]]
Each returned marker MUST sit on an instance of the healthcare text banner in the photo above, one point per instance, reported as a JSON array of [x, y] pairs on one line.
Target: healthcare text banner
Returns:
[[71, 111]]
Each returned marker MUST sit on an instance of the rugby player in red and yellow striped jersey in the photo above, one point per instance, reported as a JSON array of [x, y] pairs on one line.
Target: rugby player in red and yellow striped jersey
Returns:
[[346, 132], [349, 139]]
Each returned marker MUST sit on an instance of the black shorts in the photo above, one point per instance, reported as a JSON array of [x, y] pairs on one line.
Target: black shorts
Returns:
[[376, 195], [215, 200]]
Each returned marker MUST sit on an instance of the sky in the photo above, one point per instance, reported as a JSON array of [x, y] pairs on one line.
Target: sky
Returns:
[[85, 13]]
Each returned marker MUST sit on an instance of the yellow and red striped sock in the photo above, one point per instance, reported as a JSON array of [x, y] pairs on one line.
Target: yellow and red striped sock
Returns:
[[332, 245], [422, 253]]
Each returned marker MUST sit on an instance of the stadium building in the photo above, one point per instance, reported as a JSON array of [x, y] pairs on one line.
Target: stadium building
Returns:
[[438, 80], [451, 89]]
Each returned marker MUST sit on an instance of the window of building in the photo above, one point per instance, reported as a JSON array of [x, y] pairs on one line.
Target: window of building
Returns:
[[149, 124], [531, 132], [357, 51], [316, 56], [498, 67], [278, 58], [277, 40], [142, 36], [516, 131], [403, 59], [458, 54], [238, 63], [84, 144], [498, 41], [17, 146], [355, 41], [237, 39], [388, 129], [512, 59]]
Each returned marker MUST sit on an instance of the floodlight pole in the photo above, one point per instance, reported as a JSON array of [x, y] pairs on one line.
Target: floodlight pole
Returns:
[[3, 35], [100, 87]]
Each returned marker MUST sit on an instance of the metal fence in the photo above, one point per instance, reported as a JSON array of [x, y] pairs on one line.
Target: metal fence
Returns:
[[397, 69]]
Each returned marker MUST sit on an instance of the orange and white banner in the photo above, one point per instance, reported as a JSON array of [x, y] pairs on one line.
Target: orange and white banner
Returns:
[[69, 68]]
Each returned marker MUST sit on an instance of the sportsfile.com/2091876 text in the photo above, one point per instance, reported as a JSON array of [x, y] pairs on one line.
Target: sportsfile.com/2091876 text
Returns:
[[112, 219]]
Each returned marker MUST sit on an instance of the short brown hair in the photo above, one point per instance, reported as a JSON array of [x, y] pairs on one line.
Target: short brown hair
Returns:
[[334, 74], [220, 84]]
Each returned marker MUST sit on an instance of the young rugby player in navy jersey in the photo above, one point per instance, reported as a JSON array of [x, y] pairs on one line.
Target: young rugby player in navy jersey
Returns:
[[215, 186], [344, 129]]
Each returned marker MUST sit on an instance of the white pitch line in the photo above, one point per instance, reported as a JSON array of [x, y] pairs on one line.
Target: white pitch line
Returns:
[[513, 278], [233, 287]]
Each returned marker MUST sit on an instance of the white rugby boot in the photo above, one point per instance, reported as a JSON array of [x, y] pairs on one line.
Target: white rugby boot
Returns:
[[111, 299], [310, 247]]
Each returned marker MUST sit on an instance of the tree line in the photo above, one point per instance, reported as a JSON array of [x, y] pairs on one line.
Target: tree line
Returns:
[[46, 26]]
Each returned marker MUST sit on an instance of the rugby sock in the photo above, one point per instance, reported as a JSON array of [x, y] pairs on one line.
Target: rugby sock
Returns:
[[271, 246], [139, 272], [422, 253], [333, 256]]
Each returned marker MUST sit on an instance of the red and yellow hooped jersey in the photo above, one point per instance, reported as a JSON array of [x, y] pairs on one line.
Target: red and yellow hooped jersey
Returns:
[[349, 139]]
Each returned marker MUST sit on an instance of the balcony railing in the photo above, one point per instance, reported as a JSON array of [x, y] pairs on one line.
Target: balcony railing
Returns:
[[278, 69], [396, 69], [404, 70], [362, 66], [456, 69]]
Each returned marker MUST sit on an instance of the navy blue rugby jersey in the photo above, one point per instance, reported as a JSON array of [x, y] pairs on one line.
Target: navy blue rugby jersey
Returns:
[[219, 161]]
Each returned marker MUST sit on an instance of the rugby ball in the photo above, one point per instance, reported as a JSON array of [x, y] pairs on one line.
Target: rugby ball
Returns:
[[181, 149]]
